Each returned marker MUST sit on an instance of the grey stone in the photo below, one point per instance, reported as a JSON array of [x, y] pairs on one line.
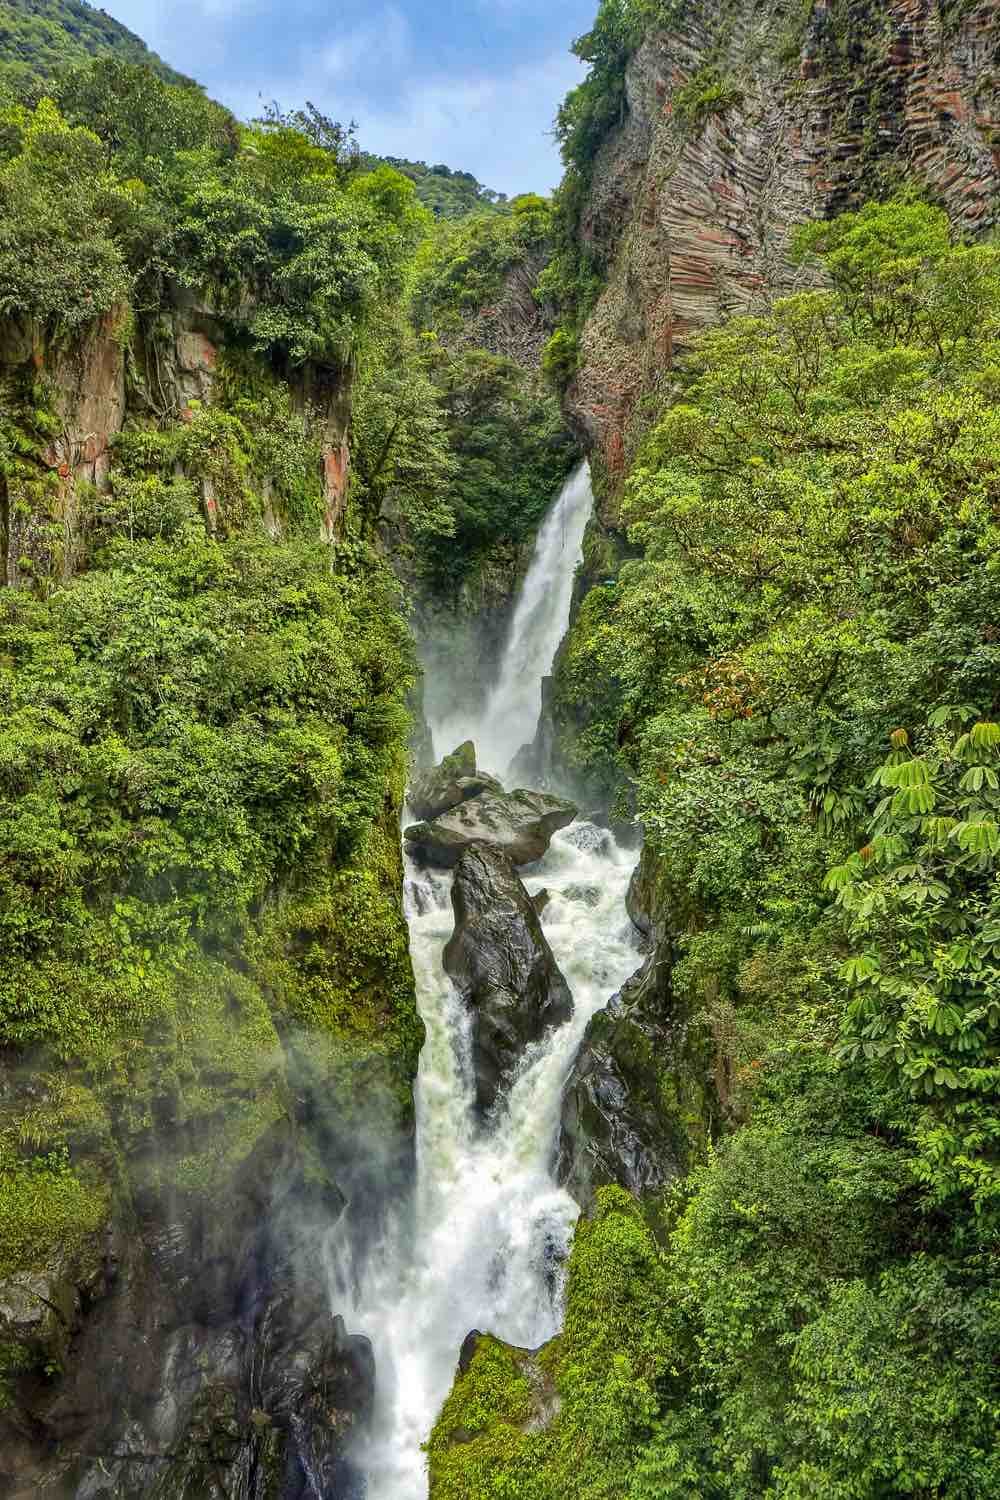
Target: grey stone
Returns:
[[502, 964], [617, 1126], [520, 823], [454, 781]]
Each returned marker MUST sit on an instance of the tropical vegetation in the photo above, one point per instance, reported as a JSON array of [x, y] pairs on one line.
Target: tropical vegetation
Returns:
[[790, 677], [795, 684]]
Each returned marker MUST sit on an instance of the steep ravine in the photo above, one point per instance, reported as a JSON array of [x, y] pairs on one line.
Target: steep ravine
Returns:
[[483, 1240]]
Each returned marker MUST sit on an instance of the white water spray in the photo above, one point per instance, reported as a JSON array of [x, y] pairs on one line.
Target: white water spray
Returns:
[[483, 1242], [510, 715]]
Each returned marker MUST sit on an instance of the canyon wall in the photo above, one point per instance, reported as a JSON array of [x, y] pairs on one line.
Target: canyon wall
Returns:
[[165, 1322], [692, 201], [160, 370]]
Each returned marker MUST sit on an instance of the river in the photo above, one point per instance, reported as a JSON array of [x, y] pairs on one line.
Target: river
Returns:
[[483, 1240]]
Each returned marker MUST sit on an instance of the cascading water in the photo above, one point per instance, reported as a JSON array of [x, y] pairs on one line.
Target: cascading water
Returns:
[[483, 1241], [541, 614]]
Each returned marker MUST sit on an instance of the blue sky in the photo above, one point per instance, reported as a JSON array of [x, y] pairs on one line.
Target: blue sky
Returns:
[[474, 83]]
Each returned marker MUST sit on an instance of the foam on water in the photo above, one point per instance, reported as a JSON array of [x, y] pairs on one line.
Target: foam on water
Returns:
[[482, 1244]]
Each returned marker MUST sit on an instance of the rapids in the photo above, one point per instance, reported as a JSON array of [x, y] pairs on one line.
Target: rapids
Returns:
[[482, 1241]]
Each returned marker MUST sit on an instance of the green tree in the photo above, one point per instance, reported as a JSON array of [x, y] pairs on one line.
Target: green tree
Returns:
[[922, 900]]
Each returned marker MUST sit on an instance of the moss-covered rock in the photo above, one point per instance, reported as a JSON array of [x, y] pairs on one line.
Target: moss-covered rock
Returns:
[[564, 1419], [500, 1397]]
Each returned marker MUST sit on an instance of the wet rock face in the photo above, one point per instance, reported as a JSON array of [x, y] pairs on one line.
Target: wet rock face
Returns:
[[622, 1112], [501, 962], [519, 823], [644, 898], [314, 1383], [209, 1366], [454, 781]]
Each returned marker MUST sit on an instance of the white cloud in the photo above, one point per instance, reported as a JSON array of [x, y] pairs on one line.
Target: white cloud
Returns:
[[496, 126], [385, 42]]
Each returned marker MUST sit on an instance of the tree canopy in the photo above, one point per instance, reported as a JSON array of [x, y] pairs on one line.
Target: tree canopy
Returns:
[[797, 677]]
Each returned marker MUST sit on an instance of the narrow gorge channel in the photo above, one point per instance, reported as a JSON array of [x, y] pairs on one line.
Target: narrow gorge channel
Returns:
[[482, 1241]]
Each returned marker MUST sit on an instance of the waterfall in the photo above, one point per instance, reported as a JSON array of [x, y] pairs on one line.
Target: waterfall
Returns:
[[484, 1240], [541, 614]]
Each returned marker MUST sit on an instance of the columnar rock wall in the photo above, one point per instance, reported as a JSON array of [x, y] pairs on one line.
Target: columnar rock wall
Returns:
[[691, 214]]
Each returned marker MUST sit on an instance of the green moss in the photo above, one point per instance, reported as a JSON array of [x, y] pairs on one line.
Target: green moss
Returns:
[[59, 1110], [15, 1360], [480, 1435], [502, 1462], [585, 704], [336, 963], [493, 1389], [561, 359], [46, 1208]]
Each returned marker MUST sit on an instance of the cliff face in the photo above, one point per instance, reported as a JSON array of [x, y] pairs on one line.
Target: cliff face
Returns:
[[162, 371], [512, 324], [693, 198], [165, 1323]]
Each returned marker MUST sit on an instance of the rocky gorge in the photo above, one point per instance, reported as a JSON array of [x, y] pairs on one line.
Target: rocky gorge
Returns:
[[519, 934], [375, 1125]]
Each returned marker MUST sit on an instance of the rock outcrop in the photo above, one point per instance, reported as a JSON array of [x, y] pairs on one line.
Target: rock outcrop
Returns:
[[454, 781], [620, 1110], [640, 1101], [520, 823], [690, 210], [208, 1366], [501, 962], [171, 364]]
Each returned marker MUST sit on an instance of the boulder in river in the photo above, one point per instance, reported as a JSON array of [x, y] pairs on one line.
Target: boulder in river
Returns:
[[454, 781], [520, 823], [502, 964]]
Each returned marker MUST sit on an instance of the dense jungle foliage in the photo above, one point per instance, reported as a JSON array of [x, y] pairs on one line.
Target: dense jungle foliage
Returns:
[[39, 39], [459, 446], [795, 679], [202, 676], [202, 722], [800, 679], [510, 444]]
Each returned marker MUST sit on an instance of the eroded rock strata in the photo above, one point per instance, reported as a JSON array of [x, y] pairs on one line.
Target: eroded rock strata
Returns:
[[691, 213]]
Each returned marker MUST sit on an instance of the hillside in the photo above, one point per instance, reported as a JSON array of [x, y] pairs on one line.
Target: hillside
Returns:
[[447, 193], [40, 38], [205, 988], [212, 396]]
